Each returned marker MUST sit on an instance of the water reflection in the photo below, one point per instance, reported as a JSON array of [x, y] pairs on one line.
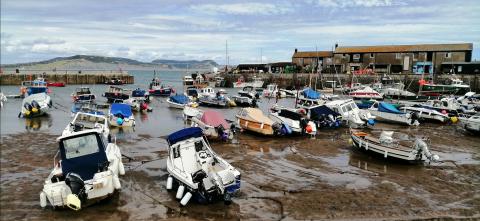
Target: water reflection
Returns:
[[377, 164], [38, 123]]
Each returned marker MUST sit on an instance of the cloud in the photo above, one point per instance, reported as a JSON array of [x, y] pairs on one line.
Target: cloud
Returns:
[[250, 8], [356, 3]]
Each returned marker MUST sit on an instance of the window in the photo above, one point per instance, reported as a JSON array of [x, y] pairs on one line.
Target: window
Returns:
[[459, 69], [356, 57], [448, 55], [398, 55], [372, 55], [80, 146]]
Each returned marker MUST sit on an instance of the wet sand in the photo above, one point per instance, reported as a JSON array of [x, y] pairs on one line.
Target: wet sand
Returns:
[[282, 178]]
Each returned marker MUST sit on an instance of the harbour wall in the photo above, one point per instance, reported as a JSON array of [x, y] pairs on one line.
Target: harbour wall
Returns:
[[73, 77], [320, 80]]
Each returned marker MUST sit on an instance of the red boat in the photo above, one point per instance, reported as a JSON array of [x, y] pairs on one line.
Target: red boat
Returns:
[[56, 84]]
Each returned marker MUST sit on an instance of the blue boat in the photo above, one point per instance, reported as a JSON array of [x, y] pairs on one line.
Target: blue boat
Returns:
[[120, 115], [36, 86], [324, 117]]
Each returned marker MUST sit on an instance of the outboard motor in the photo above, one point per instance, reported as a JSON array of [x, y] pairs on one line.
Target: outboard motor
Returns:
[[35, 104], [77, 186], [414, 117], [28, 106], [254, 102]]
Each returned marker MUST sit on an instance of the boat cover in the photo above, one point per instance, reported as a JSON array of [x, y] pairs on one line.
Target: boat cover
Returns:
[[138, 93], [123, 109], [255, 114], [87, 165], [184, 134], [316, 112], [290, 114], [214, 118], [389, 108], [311, 94], [179, 99]]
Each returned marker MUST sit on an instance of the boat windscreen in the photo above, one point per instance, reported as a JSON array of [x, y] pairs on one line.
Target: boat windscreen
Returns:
[[290, 115]]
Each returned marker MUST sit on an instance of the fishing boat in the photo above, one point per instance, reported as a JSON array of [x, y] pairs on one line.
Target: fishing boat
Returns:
[[253, 119], [256, 83], [366, 93], [197, 170], [156, 88], [36, 86], [213, 124], [470, 123], [426, 113], [86, 171], [83, 94], [35, 105], [351, 114], [116, 93], [179, 101], [324, 117], [85, 107], [272, 90], [389, 113], [293, 122], [120, 115], [456, 86], [388, 147]]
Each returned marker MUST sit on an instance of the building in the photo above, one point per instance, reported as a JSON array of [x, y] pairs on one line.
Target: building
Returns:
[[253, 68], [461, 67], [312, 58], [281, 67]]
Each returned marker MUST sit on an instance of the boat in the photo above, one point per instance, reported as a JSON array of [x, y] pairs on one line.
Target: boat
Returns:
[[456, 87], [249, 92], [55, 84], [272, 90], [197, 170], [256, 83], [253, 119], [138, 100], [87, 170], [120, 115], [36, 86], [208, 92], [3, 98], [242, 101], [115, 81], [35, 105], [470, 123], [388, 147], [387, 112], [324, 117], [116, 93], [219, 81], [190, 112], [83, 94], [365, 93], [213, 124], [292, 121], [179, 101], [309, 99], [426, 113], [156, 88], [289, 92], [219, 101], [85, 107], [87, 121], [351, 114], [192, 93], [195, 80]]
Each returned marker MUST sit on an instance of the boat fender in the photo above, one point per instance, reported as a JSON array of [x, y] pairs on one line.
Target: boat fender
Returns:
[[116, 182], [371, 122], [288, 130], [43, 199], [180, 190], [186, 198], [121, 168], [169, 183], [34, 110], [119, 121], [454, 119]]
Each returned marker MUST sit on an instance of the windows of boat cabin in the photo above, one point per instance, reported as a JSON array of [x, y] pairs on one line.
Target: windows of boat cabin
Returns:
[[176, 152], [81, 146]]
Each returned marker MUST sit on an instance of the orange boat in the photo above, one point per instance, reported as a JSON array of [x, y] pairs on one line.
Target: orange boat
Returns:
[[253, 119]]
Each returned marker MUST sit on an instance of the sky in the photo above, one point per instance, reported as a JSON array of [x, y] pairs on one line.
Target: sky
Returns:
[[256, 31]]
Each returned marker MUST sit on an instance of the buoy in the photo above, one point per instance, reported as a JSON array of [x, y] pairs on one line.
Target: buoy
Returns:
[[27, 113], [454, 119], [121, 168], [119, 121], [309, 128], [180, 190], [185, 199], [169, 183], [116, 182], [43, 200]]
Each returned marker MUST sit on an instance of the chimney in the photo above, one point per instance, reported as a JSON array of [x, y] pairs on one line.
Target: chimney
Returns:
[[296, 50]]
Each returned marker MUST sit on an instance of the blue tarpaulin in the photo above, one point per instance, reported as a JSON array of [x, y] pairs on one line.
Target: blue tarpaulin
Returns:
[[123, 109], [138, 93], [311, 94], [179, 99], [184, 134], [389, 108], [316, 112]]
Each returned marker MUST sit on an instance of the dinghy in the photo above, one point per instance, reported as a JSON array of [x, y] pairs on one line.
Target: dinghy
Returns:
[[35, 105], [351, 114], [293, 121], [389, 113], [83, 94], [386, 146], [87, 170], [470, 123], [427, 114], [195, 170], [120, 115], [179, 101], [253, 119], [213, 124]]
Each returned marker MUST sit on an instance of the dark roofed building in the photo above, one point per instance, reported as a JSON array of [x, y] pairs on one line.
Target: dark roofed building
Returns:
[[252, 68], [304, 58]]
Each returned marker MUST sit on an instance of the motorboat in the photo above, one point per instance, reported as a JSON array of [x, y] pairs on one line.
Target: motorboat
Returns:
[[208, 92], [351, 114], [249, 92], [272, 90], [448, 105], [388, 147], [156, 88], [242, 101], [351, 87], [139, 101], [190, 112], [289, 92], [195, 80], [55, 84], [83, 94], [456, 86], [115, 81], [36, 86], [324, 117], [87, 170], [87, 121], [387, 112], [219, 81], [470, 123], [253, 119], [179, 101], [293, 122], [84, 107], [309, 99], [213, 124], [116, 93], [192, 93], [241, 83], [426, 113], [213, 101], [366, 93], [35, 105], [120, 115], [195, 170], [3, 98]]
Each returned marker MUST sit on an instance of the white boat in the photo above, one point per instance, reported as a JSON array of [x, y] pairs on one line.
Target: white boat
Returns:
[[470, 123], [197, 170], [387, 147], [256, 83], [36, 105], [86, 121], [351, 114], [272, 90], [289, 93], [426, 113], [294, 121], [120, 115], [87, 170], [189, 112], [243, 101], [213, 124], [3, 98], [309, 99], [180, 102], [387, 112], [366, 93], [207, 92], [138, 104], [249, 92], [83, 94]]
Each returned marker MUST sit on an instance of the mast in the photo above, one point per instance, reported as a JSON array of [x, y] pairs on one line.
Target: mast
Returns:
[[226, 55]]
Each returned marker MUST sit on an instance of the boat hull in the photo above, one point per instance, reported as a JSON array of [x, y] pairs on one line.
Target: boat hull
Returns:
[[409, 155], [256, 127]]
